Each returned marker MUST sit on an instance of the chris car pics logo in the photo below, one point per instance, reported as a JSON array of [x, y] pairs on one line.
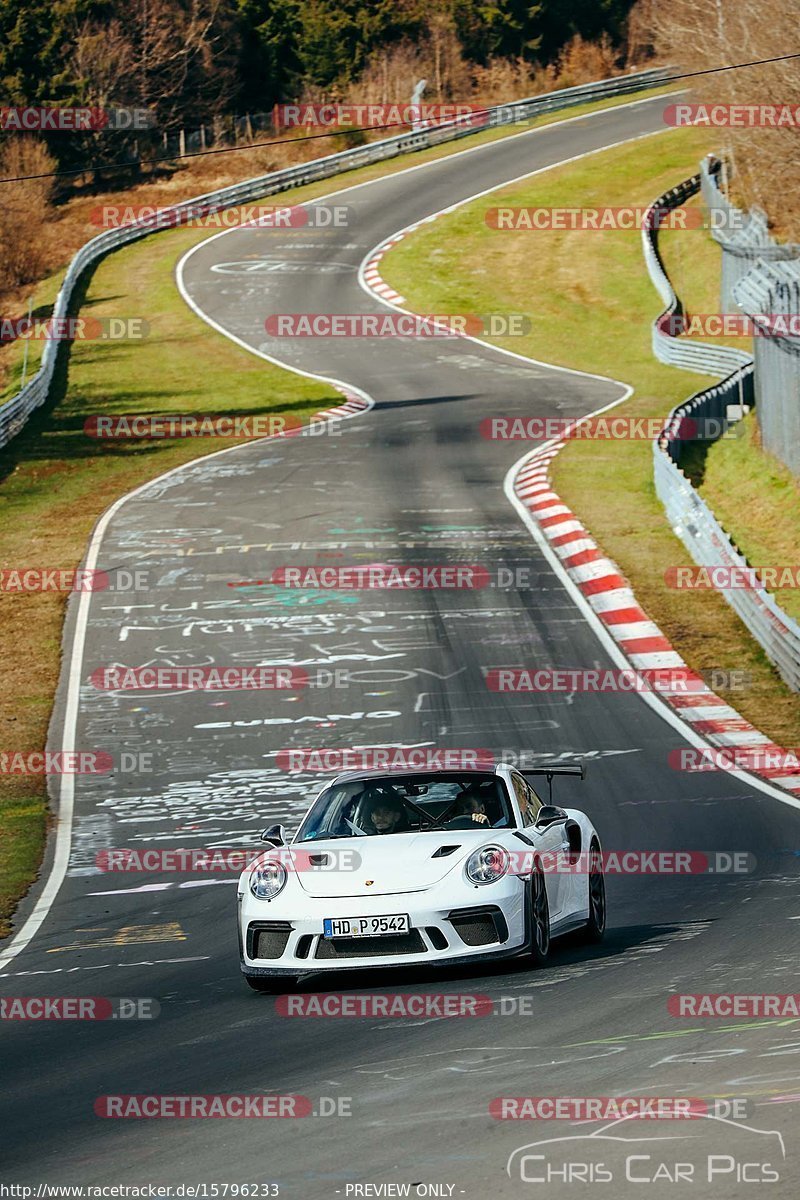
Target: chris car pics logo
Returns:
[[712, 1151]]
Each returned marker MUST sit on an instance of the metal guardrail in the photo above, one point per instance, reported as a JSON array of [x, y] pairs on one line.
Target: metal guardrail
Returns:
[[15, 412], [710, 546], [688, 514], [687, 353]]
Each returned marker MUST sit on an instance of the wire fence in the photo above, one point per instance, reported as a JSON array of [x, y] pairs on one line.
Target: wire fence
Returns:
[[761, 278], [715, 407]]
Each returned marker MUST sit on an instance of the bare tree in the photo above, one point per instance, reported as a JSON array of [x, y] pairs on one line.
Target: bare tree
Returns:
[[176, 58], [102, 64], [698, 35]]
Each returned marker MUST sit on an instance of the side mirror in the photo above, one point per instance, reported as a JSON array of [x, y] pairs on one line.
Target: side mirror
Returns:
[[275, 835], [549, 815]]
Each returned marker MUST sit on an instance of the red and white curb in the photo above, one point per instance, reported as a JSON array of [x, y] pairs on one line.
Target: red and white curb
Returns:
[[370, 272], [600, 582], [611, 598], [372, 276], [354, 403]]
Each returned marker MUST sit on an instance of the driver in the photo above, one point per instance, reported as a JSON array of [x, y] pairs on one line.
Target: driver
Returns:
[[470, 804], [384, 811]]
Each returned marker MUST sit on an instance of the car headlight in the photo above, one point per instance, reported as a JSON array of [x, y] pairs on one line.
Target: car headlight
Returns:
[[487, 865], [267, 879]]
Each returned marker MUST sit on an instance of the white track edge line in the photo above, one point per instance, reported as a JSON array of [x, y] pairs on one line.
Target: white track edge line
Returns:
[[66, 794], [64, 816]]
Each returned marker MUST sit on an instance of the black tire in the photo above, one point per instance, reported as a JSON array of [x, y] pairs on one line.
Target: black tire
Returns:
[[272, 985], [595, 928], [539, 951]]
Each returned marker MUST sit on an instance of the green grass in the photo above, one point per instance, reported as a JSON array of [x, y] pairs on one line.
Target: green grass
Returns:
[[55, 483], [591, 304], [755, 497], [757, 500], [696, 277]]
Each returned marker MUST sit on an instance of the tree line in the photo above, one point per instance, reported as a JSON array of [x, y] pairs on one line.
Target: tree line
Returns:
[[191, 62]]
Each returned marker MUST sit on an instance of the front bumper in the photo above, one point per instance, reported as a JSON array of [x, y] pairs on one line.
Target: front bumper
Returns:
[[490, 922]]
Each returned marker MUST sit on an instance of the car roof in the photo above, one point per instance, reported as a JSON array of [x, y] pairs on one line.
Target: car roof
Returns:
[[377, 773]]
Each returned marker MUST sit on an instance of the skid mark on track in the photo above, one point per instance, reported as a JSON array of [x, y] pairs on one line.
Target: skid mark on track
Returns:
[[128, 935]]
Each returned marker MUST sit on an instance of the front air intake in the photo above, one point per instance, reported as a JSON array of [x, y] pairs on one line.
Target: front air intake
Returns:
[[479, 926], [267, 939], [371, 947]]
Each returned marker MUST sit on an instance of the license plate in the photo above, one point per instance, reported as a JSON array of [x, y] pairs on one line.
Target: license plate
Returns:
[[355, 927]]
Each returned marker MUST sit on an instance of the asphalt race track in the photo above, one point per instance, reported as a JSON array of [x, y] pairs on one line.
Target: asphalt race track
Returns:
[[412, 481]]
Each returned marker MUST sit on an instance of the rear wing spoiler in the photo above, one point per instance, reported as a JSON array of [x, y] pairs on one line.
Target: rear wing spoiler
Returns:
[[549, 770]]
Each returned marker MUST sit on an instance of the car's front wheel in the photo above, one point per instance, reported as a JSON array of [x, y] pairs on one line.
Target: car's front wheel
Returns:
[[273, 985], [595, 927], [540, 918]]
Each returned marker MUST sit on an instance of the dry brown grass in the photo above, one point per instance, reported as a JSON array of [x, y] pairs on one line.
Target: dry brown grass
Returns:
[[26, 242]]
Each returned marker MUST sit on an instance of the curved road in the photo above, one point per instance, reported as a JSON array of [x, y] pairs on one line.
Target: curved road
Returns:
[[409, 481]]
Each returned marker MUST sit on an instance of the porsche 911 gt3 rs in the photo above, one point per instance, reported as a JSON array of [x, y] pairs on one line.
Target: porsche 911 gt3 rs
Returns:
[[420, 867]]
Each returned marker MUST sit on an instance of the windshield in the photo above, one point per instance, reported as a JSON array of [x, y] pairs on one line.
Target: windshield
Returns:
[[407, 804]]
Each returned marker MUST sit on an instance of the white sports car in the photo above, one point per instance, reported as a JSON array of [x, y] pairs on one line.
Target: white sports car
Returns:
[[411, 868]]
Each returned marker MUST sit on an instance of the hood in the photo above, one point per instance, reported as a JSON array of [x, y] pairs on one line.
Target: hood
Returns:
[[395, 862]]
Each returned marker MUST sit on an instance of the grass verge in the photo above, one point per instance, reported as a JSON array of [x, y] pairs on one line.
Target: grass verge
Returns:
[[591, 304], [57, 481]]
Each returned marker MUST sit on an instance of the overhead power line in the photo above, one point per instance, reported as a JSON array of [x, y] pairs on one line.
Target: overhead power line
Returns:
[[150, 162]]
